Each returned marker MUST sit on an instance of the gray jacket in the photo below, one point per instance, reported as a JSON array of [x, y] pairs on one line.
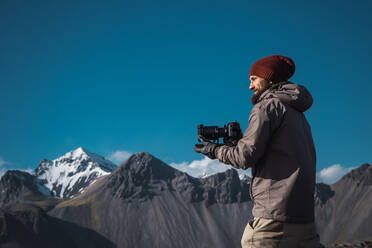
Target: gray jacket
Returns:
[[279, 148]]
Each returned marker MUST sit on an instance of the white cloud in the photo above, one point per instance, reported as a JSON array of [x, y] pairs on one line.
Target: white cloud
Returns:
[[2, 161], [28, 170], [205, 167], [332, 173], [119, 156]]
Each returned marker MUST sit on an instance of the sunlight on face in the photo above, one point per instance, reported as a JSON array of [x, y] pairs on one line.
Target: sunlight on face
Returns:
[[258, 84]]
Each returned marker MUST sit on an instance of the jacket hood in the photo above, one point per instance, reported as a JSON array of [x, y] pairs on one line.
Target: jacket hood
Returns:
[[295, 95]]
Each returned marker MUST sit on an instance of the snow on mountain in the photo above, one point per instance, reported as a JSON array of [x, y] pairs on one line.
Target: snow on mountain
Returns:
[[70, 174]]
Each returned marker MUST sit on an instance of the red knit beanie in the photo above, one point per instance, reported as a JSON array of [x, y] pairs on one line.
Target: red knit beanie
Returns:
[[275, 68]]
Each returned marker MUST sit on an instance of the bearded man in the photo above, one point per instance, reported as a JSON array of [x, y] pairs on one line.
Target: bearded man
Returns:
[[279, 147]]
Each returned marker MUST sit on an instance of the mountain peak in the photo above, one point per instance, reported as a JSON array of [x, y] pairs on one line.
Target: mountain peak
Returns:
[[81, 153], [323, 193], [361, 175], [144, 163], [19, 175], [77, 153], [225, 187], [19, 185], [144, 176], [69, 174], [141, 176]]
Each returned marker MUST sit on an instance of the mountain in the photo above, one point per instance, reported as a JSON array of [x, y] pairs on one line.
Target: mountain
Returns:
[[70, 174], [323, 193], [18, 186], [145, 201], [344, 209], [29, 226]]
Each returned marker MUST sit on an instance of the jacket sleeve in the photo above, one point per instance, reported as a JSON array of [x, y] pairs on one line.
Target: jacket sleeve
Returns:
[[263, 120]]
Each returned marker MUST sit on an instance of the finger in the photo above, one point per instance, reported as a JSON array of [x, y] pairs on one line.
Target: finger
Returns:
[[198, 150], [202, 139]]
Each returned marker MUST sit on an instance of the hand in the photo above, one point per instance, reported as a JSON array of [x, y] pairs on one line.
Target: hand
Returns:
[[207, 148]]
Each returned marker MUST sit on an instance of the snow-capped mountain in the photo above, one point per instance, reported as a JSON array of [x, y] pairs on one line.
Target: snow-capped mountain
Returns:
[[73, 172]]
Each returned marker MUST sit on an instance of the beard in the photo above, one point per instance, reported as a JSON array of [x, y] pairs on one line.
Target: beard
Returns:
[[259, 92]]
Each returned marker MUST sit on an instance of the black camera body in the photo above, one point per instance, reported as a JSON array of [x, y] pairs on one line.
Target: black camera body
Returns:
[[230, 133]]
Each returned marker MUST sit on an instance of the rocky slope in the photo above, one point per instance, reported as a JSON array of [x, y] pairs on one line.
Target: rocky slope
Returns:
[[28, 226], [354, 244], [21, 187], [344, 210]]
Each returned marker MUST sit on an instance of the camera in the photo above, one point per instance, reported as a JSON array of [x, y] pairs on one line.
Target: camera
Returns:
[[230, 133]]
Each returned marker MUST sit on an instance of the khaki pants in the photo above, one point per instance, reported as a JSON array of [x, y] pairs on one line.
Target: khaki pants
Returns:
[[270, 233]]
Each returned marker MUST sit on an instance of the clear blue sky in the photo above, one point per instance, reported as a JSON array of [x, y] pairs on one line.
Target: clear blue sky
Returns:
[[141, 75]]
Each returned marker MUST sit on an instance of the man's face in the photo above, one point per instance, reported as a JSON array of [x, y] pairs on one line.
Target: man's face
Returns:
[[258, 84]]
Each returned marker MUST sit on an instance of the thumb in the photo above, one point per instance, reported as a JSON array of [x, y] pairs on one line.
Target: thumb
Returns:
[[203, 140], [198, 149]]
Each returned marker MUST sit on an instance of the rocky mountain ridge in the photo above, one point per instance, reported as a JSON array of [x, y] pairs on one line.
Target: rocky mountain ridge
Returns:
[[183, 211], [19, 186], [144, 176]]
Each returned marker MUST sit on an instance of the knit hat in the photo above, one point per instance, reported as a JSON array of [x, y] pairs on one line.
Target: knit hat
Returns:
[[275, 68]]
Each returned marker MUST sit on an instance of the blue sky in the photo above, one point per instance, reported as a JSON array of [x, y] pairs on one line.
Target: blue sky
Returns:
[[141, 75]]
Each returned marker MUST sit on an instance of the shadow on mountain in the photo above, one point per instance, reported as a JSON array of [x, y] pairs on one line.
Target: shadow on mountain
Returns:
[[27, 226]]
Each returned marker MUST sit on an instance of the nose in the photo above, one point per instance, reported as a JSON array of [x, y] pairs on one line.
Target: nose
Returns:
[[251, 86]]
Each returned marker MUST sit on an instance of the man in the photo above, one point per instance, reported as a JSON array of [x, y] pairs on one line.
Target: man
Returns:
[[279, 148]]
